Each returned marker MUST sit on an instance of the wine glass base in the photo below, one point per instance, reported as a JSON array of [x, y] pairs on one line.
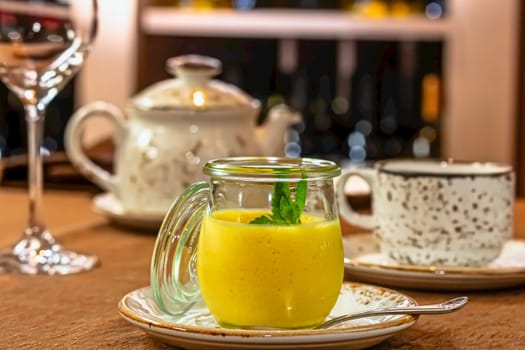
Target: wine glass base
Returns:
[[41, 255]]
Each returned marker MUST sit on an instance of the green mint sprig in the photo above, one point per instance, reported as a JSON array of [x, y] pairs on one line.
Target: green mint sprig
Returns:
[[285, 210]]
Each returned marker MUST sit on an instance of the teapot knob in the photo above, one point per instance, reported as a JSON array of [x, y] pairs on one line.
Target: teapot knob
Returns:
[[194, 67]]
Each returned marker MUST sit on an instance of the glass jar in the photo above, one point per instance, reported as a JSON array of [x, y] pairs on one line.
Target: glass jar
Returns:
[[260, 242]]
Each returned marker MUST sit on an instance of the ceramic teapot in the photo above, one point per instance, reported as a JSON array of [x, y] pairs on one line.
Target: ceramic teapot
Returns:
[[172, 128]]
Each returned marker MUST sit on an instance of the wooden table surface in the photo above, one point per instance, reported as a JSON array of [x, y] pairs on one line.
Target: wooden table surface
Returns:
[[80, 311]]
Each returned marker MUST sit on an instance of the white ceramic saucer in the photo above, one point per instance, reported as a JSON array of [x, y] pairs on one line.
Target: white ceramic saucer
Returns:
[[106, 204], [196, 329], [364, 262]]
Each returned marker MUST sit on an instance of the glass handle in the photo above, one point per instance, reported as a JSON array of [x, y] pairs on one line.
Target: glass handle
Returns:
[[173, 271]]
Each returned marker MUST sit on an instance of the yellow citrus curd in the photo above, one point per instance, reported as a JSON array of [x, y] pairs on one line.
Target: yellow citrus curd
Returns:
[[276, 276]]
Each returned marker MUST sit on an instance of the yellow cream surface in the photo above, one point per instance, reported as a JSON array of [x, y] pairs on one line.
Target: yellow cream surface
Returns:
[[277, 276]]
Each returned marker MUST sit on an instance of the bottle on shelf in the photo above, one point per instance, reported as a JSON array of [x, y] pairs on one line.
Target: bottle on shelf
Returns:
[[365, 104], [427, 141], [316, 78], [395, 101]]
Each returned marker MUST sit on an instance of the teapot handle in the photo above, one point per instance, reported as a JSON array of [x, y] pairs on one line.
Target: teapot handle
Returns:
[[73, 142]]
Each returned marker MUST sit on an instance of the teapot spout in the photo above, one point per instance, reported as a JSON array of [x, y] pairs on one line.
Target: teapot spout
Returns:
[[271, 135]]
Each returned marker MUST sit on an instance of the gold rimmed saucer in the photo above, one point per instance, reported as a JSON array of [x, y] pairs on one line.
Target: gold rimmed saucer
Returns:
[[364, 261], [196, 329]]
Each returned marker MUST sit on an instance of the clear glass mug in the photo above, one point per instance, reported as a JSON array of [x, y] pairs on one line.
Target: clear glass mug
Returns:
[[252, 273]]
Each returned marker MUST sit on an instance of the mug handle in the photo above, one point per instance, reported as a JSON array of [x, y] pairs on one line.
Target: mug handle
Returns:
[[73, 142], [346, 211], [173, 271]]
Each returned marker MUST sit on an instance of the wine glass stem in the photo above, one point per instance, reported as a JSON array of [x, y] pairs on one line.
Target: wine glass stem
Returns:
[[35, 121]]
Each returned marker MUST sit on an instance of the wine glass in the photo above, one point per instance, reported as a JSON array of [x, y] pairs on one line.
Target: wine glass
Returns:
[[43, 43]]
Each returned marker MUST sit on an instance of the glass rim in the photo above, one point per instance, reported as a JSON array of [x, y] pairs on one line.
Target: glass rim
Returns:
[[271, 169]]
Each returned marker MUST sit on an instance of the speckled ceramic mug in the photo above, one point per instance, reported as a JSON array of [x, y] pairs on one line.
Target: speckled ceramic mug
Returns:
[[431, 212]]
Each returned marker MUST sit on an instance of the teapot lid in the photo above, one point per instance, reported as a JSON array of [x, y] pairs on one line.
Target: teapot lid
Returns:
[[193, 89]]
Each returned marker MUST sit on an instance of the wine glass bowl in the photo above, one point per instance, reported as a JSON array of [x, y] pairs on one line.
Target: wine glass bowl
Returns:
[[43, 44]]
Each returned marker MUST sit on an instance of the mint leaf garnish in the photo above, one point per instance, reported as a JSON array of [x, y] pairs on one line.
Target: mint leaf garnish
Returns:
[[285, 210], [261, 220]]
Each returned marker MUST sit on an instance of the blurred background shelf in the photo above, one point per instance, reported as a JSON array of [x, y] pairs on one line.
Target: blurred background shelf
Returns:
[[288, 23], [318, 58]]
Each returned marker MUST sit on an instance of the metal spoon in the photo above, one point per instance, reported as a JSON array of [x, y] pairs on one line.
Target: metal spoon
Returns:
[[442, 308]]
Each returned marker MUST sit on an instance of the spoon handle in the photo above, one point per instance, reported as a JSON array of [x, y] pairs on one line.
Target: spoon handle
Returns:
[[442, 308]]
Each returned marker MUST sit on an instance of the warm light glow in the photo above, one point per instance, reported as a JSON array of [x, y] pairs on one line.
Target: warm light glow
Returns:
[[429, 133], [198, 98], [36, 27], [29, 95]]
